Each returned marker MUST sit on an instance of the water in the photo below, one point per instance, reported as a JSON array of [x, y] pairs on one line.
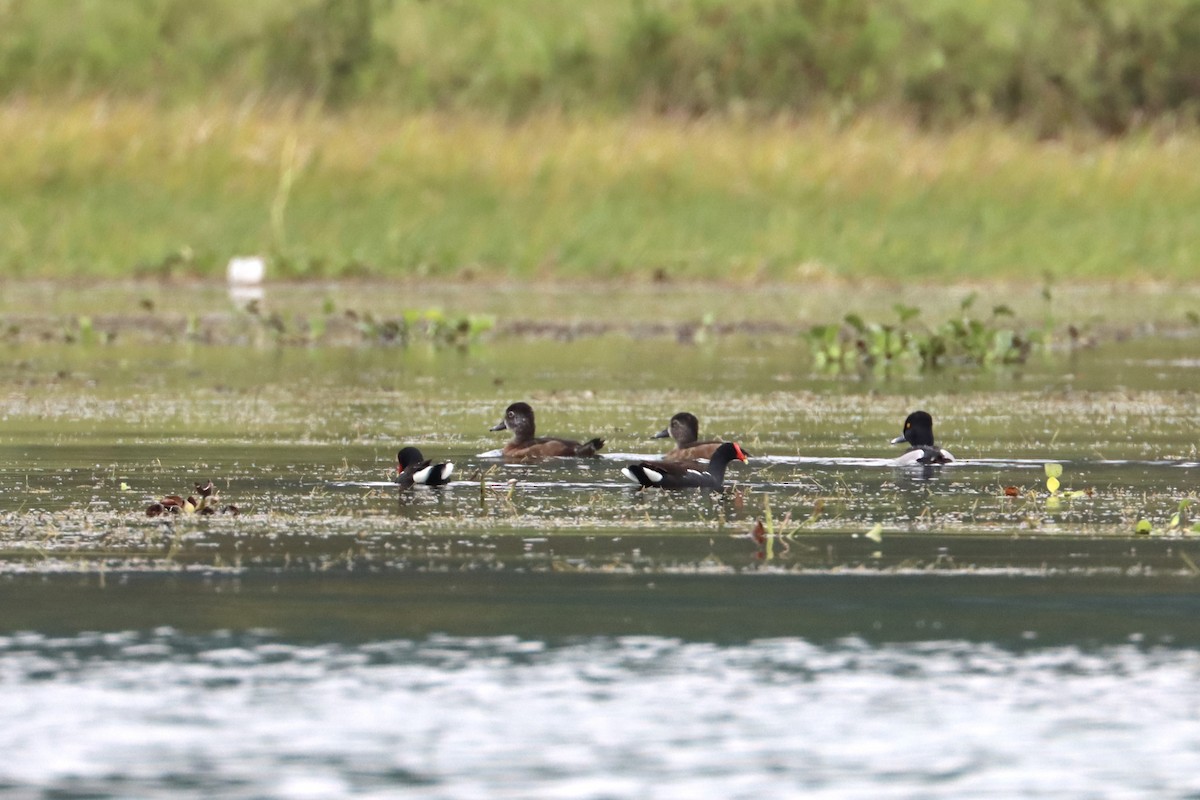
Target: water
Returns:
[[297, 685], [547, 630], [320, 682], [161, 714]]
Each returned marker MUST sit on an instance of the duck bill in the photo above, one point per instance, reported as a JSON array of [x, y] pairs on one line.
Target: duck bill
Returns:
[[663, 434], [899, 440], [499, 426]]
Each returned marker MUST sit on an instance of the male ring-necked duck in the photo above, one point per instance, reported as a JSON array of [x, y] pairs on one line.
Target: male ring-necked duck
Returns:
[[918, 433], [412, 467], [518, 418], [686, 474], [685, 430]]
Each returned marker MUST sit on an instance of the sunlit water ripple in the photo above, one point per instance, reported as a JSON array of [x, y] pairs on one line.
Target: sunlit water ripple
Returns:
[[164, 714]]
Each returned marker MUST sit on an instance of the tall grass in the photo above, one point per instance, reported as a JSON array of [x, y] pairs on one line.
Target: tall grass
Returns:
[[110, 187]]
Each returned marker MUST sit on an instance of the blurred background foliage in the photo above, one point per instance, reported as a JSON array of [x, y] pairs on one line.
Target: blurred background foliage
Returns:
[[1110, 65], [712, 139]]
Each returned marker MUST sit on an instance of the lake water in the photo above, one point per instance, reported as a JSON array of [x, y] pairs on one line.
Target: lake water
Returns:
[[547, 630]]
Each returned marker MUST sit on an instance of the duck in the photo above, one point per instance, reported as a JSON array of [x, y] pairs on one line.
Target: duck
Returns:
[[518, 418], [686, 474], [918, 433], [414, 468], [684, 428]]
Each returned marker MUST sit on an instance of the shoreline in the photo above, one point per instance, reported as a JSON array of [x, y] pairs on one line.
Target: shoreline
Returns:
[[369, 312]]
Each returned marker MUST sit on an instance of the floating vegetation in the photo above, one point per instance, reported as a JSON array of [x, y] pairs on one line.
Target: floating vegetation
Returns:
[[77, 330], [1053, 472], [432, 326], [964, 340], [1177, 524], [429, 326], [206, 504]]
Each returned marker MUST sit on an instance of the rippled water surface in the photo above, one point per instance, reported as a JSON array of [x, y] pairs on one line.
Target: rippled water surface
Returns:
[[830, 625], [164, 714]]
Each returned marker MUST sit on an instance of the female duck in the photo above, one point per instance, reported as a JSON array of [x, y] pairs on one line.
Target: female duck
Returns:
[[686, 474], [685, 430], [918, 432], [518, 418]]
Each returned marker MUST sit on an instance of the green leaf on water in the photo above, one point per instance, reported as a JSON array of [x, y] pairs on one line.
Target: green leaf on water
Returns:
[[1052, 484], [1053, 470], [1143, 526], [876, 533]]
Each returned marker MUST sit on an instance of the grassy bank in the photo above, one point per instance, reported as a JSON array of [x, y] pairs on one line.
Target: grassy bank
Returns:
[[112, 188]]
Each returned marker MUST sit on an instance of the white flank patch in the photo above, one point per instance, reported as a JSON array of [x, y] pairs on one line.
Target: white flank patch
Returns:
[[946, 455], [422, 476], [449, 470], [911, 457], [645, 472]]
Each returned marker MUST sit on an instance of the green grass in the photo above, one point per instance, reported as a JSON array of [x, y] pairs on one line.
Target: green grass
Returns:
[[1110, 65], [110, 188]]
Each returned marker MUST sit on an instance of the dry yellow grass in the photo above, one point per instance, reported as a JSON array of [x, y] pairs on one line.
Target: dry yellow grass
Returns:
[[388, 192]]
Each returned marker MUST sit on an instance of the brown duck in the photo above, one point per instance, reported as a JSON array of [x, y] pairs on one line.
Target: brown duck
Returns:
[[518, 418], [685, 430]]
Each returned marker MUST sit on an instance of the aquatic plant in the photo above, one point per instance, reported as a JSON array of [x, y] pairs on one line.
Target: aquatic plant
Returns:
[[964, 340], [766, 534], [429, 326], [82, 330], [786, 528], [1054, 471], [1177, 524]]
